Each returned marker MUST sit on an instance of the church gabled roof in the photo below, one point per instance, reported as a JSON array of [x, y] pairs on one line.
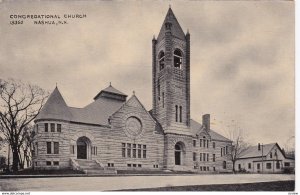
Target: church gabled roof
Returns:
[[197, 128], [55, 108], [175, 29]]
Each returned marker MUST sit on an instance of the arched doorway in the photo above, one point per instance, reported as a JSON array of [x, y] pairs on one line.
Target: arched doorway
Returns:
[[179, 153], [83, 147]]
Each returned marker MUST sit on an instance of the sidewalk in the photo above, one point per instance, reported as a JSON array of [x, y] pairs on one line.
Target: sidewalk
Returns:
[[131, 182]]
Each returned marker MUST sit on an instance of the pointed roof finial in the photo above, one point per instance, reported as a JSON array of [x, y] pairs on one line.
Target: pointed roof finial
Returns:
[[56, 84], [170, 5], [109, 83], [133, 92]]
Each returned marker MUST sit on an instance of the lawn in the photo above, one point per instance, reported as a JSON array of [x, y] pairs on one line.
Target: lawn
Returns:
[[263, 186]]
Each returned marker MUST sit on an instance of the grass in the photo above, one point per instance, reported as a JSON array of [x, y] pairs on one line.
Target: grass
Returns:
[[262, 186], [44, 172]]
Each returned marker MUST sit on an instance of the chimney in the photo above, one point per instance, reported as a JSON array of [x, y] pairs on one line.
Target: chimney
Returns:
[[206, 121], [258, 146]]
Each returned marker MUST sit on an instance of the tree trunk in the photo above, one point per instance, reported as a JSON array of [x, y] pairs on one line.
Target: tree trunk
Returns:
[[233, 166], [16, 159]]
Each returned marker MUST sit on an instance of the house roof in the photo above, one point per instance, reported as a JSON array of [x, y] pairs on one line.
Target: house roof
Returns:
[[176, 29], [55, 108], [253, 151], [197, 128]]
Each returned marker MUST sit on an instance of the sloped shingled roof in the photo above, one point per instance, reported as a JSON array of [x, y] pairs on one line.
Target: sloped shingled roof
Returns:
[[96, 112], [196, 128], [253, 151], [55, 108], [176, 29]]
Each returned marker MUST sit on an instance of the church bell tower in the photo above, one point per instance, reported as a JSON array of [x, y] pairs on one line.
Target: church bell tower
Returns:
[[171, 76]]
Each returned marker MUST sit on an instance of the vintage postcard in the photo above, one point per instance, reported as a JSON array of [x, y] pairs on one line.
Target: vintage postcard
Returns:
[[147, 96]]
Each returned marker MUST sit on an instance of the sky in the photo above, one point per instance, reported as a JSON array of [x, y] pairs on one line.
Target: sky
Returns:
[[242, 57]]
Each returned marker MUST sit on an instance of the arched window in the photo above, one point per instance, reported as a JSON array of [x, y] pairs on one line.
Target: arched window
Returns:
[[178, 153], [161, 60], [177, 58], [224, 164]]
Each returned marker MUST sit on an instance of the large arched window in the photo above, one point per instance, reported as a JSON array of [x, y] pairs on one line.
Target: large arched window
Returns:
[[161, 59], [177, 58], [178, 153]]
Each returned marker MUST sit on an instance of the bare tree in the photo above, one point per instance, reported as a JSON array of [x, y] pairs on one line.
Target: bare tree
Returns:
[[19, 105], [239, 145]]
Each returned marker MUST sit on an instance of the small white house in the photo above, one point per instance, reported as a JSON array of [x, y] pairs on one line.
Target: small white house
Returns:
[[267, 158]]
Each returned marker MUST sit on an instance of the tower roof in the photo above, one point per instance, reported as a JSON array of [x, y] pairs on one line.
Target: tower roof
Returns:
[[175, 29], [110, 90], [55, 108]]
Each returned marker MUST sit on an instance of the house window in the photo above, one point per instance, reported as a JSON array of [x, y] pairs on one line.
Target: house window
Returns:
[[134, 165], [277, 165], [207, 168], [128, 165], [286, 164], [52, 127], [214, 158], [214, 145], [204, 168], [224, 164], [271, 155], [207, 158], [144, 151], [176, 113], [200, 156], [134, 151], [200, 142], [204, 143], [249, 165], [56, 163], [161, 59], [48, 147], [139, 165], [226, 150], [214, 168], [204, 157], [46, 127], [269, 165], [58, 127], [56, 147], [194, 143], [221, 151], [139, 151], [177, 59], [200, 168], [207, 143], [37, 128], [194, 156], [258, 166], [48, 163], [240, 167], [129, 150]]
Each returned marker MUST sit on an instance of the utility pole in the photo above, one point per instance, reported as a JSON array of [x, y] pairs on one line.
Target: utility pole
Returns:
[[262, 158]]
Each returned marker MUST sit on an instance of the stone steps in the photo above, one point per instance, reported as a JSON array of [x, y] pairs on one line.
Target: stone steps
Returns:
[[91, 167]]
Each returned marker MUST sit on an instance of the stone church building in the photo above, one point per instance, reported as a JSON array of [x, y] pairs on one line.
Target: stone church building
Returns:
[[116, 132]]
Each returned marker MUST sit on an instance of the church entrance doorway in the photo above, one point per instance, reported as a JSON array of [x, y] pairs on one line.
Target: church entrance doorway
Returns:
[[179, 153], [83, 144]]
